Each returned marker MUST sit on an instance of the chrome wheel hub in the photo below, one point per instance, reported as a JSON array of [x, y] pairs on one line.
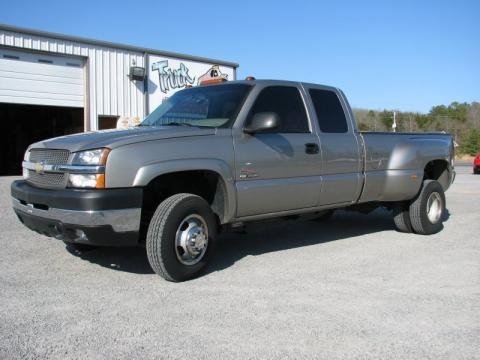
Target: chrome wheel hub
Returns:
[[434, 207], [191, 239]]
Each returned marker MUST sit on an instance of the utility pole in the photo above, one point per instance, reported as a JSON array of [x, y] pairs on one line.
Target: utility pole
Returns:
[[394, 125]]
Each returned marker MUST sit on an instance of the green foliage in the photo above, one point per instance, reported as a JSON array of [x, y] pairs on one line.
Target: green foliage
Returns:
[[455, 110], [386, 117], [363, 126], [462, 120], [424, 122], [403, 122], [471, 143]]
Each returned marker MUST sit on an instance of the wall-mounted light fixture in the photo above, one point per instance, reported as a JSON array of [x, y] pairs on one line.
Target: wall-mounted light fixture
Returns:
[[136, 73]]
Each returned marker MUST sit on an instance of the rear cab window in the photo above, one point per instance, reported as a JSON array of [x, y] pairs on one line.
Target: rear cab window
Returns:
[[330, 115]]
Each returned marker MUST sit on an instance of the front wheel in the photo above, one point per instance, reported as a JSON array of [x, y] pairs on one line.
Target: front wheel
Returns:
[[428, 209], [180, 237]]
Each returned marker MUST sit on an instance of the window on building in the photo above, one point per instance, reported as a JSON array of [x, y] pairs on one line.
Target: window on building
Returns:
[[287, 103], [107, 122], [330, 114]]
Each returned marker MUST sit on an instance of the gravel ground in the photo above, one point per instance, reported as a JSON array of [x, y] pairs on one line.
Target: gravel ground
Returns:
[[348, 288]]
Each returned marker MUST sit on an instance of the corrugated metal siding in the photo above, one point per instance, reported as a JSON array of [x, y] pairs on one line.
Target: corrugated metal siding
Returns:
[[110, 91]]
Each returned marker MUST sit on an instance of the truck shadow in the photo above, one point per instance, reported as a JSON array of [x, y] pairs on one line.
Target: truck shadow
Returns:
[[264, 238], [258, 239], [133, 259]]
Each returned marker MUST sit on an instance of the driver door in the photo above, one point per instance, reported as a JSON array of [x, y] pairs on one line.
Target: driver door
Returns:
[[279, 170]]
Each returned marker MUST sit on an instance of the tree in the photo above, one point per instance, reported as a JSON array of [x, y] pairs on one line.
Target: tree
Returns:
[[372, 120], [462, 120], [471, 144], [424, 122], [386, 117], [363, 127]]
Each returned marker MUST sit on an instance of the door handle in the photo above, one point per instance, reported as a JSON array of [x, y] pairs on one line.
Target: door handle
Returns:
[[311, 148]]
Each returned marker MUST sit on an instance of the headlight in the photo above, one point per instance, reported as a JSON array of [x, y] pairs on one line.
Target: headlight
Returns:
[[89, 158]]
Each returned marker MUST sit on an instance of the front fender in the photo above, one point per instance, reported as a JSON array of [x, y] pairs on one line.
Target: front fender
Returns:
[[148, 172]]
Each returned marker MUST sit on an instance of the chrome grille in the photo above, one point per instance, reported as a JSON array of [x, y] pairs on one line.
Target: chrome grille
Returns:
[[47, 180], [49, 156]]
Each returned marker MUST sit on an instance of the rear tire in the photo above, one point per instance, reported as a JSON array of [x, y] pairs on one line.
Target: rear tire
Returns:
[[181, 237], [401, 216], [428, 208]]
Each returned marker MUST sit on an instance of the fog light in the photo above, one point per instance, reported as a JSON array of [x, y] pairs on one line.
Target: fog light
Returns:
[[80, 235], [82, 181]]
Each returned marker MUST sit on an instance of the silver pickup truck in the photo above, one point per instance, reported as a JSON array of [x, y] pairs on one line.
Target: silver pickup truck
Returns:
[[225, 154]]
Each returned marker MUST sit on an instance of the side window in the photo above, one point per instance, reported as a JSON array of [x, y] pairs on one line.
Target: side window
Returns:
[[287, 103], [330, 115]]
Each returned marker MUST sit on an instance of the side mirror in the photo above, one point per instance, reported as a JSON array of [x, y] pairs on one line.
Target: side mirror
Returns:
[[263, 122]]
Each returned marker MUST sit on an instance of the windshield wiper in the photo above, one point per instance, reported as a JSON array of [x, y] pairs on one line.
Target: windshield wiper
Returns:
[[177, 124]]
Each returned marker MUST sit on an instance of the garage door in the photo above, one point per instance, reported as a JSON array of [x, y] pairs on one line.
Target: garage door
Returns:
[[37, 79]]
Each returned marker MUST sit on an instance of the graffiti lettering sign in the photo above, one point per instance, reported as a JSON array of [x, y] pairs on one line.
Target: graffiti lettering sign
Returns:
[[168, 75], [172, 79]]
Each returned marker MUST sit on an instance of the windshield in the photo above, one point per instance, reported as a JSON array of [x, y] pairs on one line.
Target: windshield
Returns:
[[209, 106]]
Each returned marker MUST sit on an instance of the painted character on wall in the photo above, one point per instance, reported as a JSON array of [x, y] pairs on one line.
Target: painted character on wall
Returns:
[[213, 73]]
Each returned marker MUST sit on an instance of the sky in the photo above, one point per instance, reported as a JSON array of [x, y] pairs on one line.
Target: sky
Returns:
[[399, 55]]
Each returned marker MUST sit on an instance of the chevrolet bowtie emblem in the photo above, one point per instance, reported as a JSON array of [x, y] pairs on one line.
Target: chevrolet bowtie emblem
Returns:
[[39, 168]]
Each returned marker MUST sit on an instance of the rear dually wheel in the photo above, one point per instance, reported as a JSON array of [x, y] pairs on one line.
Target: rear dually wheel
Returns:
[[428, 208]]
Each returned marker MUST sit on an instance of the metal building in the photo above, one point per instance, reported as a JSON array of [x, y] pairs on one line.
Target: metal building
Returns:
[[53, 84]]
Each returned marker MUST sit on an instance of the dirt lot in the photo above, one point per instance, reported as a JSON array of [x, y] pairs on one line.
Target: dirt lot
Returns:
[[348, 288]]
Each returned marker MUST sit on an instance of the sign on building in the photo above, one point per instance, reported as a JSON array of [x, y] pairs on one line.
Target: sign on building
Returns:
[[169, 75]]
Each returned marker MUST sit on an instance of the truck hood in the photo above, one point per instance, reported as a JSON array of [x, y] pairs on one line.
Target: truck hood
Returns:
[[115, 138]]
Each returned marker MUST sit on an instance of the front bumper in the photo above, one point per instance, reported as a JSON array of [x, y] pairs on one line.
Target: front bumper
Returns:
[[109, 217]]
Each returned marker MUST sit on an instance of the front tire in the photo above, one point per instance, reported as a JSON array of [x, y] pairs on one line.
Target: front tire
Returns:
[[428, 209], [181, 237]]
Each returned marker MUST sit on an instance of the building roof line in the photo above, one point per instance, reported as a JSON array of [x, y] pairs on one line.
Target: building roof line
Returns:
[[114, 45]]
